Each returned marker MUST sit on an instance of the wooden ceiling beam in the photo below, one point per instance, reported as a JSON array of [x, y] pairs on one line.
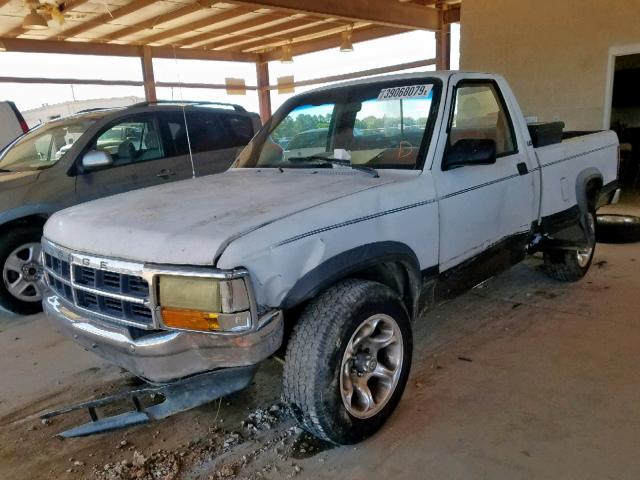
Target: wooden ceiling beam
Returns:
[[382, 12], [451, 15], [317, 30], [262, 35], [64, 8], [159, 20], [260, 19], [223, 16], [88, 48], [333, 41], [132, 7]]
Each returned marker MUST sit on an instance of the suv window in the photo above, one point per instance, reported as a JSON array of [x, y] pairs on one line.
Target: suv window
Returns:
[[479, 113], [208, 131], [132, 140], [239, 128]]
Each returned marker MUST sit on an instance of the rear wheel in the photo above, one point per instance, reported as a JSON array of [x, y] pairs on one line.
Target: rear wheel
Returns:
[[572, 265], [20, 288], [348, 361]]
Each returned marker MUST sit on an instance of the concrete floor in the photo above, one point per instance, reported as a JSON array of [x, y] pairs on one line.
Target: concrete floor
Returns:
[[522, 377]]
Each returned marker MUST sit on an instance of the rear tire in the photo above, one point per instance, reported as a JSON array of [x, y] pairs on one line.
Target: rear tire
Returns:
[[21, 270], [348, 361], [572, 265]]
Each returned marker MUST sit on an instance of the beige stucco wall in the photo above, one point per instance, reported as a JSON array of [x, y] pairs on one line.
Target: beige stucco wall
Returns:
[[554, 53]]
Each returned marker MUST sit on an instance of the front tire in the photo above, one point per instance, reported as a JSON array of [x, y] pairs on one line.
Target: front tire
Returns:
[[348, 361], [20, 287], [572, 265]]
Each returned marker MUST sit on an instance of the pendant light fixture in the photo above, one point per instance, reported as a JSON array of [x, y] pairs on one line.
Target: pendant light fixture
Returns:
[[287, 53], [34, 21], [346, 45]]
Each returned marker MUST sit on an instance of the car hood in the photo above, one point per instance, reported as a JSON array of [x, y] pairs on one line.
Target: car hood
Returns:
[[9, 180], [191, 222]]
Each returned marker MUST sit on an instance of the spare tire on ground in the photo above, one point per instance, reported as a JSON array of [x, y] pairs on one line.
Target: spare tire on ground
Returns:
[[612, 228]]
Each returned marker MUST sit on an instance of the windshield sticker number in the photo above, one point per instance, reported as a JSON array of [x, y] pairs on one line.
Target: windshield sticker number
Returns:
[[410, 91]]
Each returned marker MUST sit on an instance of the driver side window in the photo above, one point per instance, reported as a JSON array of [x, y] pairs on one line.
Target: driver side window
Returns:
[[480, 114], [131, 141]]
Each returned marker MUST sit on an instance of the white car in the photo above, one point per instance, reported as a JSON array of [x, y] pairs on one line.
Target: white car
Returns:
[[12, 125], [192, 284]]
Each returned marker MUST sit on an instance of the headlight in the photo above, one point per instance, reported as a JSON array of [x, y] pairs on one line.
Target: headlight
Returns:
[[204, 303]]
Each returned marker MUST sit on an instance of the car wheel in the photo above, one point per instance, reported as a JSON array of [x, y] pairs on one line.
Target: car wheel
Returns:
[[348, 361], [613, 228], [572, 265], [21, 289]]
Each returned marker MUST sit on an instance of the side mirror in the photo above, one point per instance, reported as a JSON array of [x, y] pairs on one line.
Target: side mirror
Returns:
[[468, 151], [96, 159]]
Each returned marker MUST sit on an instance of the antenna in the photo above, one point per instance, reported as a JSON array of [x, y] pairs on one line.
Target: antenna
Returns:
[[184, 116]]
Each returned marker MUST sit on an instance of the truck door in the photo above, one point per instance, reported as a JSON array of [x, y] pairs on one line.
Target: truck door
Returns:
[[484, 209]]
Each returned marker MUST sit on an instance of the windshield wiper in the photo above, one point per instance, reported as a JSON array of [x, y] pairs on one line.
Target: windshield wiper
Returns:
[[341, 163]]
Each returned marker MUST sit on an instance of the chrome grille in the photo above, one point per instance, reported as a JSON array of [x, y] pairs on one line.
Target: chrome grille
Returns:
[[116, 296]]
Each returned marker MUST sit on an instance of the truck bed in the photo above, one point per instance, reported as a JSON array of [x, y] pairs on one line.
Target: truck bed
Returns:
[[579, 154]]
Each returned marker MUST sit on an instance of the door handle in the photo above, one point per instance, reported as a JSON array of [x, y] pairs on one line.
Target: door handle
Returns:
[[522, 168], [166, 174]]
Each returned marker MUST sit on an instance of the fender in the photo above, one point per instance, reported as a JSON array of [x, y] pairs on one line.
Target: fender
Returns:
[[582, 181], [352, 261], [42, 210], [568, 229], [584, 178]]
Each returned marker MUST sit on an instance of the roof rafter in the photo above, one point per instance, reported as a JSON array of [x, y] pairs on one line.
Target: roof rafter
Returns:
[[132, 7], [159, 20], [332, 41], [299, 36], [256, 21], [64, 8], [381, 12], [261, 35], [226, 15]]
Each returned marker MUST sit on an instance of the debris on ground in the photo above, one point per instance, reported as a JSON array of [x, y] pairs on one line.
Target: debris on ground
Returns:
[[160, 465], [261, 420]]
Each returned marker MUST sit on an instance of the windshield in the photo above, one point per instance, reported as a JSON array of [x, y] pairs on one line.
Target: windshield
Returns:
[[380, 125], [43, 147]]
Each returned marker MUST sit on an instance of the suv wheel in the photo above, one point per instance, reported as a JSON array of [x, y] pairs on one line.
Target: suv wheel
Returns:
[[348, 361], [20, 288]]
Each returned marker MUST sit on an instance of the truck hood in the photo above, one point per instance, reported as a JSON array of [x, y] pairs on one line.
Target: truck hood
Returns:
[[9, 180], [191, 222]]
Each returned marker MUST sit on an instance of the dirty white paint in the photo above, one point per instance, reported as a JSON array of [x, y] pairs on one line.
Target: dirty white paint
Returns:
[[281, 225]]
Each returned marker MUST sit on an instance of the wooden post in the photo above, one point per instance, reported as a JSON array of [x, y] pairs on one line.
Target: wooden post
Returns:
[[147, 75], [443, 47], [443, 39], [264, 94]]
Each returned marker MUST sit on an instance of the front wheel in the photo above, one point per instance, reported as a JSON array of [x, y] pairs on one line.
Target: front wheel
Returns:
[[348, 361], [572, 265], [20, 288]]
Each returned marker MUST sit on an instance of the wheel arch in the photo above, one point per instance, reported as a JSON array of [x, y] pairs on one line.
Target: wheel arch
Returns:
[[393, 264], [588, 184], [30, 220]]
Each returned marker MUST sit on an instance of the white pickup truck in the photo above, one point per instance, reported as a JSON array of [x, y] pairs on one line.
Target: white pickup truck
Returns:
[[334, 253]]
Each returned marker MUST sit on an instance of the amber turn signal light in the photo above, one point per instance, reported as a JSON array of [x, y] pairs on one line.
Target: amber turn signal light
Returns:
[[190, 319]]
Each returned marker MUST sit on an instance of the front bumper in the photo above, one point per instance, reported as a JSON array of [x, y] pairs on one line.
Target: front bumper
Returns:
[[164, 356]]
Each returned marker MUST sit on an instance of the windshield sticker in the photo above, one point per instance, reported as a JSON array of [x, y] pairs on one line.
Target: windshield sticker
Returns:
[[410, 91]]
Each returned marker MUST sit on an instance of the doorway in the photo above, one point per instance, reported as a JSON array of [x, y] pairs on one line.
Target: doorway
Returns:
[[624, 113]]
